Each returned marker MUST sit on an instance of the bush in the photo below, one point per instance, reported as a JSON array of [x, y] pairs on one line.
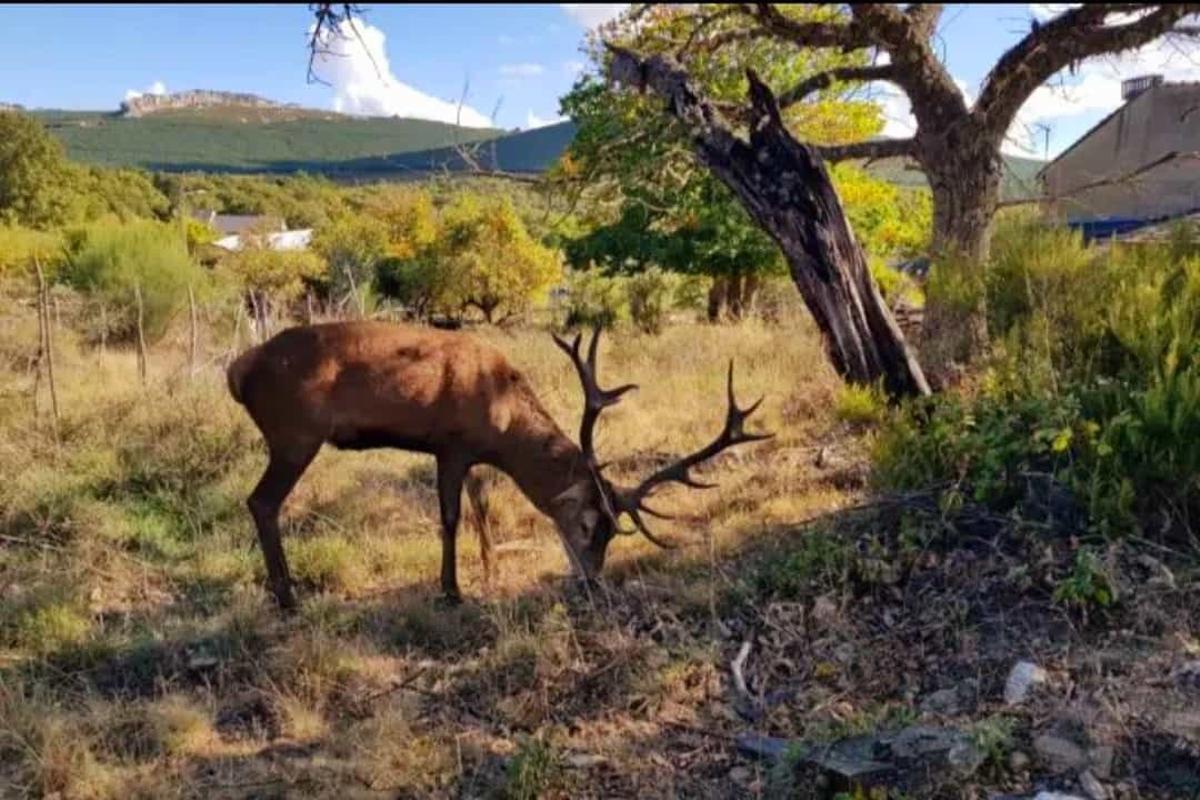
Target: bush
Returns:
[[649, 295], [593, 300], [1095, 388], [112, 263]]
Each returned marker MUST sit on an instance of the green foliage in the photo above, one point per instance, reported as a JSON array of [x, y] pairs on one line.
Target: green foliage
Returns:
[[860, 405], [1095, 384], [488, 260], [19, 247], [593, 300], [649, 202], [650, 294], [476, 253], [531, 771], [890, 222], [352, 247], [280, 274], [111, 263], [1087, 585], [34, 173]]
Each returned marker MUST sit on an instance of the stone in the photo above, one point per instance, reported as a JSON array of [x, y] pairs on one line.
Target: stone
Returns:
[[943, 701], [1018, 761], [1183, 723], [1092, 787], [1060, 755], [1021, 680], [585, 760], [1101, 759]]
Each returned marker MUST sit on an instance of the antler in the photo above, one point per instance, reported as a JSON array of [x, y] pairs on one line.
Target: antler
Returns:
[[633, 501], [595, 399]]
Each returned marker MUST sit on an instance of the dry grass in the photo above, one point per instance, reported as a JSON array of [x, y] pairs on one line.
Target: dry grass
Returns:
[[139, 655]]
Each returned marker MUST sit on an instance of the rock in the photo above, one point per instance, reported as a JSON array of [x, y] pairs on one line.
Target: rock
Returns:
[[1092, 787], [1018, 761], [1021, 680], [1060, 755], [946, 747], [943, 701], [585, 760], [771, 748], [739, 775], [1101, 759], [1183, 723]]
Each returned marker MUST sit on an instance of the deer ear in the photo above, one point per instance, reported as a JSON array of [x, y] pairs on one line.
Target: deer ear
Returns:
[[570, 500]]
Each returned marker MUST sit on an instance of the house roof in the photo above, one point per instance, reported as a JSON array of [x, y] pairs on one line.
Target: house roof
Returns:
[[1105, 120], [236, 223]]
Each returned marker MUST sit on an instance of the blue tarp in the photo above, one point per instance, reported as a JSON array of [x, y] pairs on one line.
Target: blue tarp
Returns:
[[1106, 228]]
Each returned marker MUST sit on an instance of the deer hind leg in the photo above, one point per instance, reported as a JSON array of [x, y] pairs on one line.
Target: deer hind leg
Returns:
[[451, 471], [477, 494], [265, 502]]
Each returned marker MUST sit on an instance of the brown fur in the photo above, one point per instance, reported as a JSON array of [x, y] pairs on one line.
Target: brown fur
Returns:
[[360, 385]]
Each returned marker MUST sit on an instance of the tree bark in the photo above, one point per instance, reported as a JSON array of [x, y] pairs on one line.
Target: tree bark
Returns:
[[785, 187], [964, 176]]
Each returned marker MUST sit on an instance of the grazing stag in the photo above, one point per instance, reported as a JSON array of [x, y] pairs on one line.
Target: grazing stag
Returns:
[[360, 385]]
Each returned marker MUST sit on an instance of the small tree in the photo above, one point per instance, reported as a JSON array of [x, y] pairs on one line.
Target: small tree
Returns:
[[33, 173], [352, 247], [112, 264]]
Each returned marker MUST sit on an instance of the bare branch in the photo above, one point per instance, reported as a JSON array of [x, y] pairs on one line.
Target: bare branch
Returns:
[[823, 80], [874, 149], [847, 36], [1071, 37]]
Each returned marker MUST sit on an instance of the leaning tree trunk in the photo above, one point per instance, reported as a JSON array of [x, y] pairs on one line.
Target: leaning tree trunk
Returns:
[[785, 187], [965, 182]]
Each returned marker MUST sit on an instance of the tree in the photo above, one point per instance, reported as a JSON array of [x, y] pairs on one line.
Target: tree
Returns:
[[488, 261], [34, 173], [957, 146], [650, 201], [352, 246]]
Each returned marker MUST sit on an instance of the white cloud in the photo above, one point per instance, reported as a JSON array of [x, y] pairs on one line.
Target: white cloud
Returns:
[[357, 67], [591, 15], [1095, 88], [534, 121], [521, 70], [573, 67], [158, 87]]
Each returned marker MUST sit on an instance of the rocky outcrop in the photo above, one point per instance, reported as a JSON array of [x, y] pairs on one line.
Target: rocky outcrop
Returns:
[[196, 98]]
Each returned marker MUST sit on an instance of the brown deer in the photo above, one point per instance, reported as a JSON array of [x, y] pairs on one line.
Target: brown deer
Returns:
[[360, 385]]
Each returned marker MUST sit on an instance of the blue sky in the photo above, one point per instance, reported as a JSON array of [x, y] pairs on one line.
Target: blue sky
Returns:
[[520, 56]]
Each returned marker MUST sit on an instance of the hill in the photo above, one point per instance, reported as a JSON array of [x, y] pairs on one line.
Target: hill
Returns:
[[238, 138], [273, 139]]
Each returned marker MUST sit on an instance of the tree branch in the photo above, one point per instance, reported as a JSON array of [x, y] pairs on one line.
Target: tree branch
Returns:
[[1070, 37], [877, 148], [847, 36], [823, 80]]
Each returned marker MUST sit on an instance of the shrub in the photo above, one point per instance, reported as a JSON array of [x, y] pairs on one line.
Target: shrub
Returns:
[[112, 263], [593, 300], [649, 296]]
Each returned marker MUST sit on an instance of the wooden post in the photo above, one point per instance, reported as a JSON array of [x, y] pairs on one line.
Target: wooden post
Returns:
[[308, 301], [195, 339], [47, 343], [141, 333], [103, 328]]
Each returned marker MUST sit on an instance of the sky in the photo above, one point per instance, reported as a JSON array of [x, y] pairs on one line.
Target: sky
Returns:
[[514, 61]]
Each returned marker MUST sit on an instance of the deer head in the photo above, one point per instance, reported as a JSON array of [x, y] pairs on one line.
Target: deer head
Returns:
[[588, 513]]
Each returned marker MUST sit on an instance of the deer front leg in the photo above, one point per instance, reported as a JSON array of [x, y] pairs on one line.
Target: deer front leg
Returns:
[[451, 470], [283, 471]]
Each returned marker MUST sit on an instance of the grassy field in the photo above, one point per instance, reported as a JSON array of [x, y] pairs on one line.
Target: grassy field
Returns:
[[140, 656]]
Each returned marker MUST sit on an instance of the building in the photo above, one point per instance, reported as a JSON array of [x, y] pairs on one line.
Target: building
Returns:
[[1138, 166], [281, 240], [230, 224]]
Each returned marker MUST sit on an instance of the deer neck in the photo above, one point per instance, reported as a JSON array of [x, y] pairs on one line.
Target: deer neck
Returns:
[[542, 460]]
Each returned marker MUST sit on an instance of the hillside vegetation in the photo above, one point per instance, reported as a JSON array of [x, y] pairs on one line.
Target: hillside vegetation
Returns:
[[240, 139]]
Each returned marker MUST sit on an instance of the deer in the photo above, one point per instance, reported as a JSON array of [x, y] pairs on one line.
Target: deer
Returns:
[[366, 384]]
